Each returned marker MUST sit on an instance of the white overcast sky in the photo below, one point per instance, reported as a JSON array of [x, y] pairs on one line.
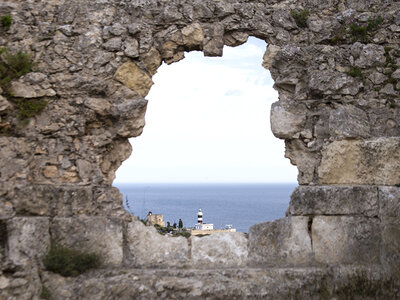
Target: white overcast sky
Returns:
[[207, 121]]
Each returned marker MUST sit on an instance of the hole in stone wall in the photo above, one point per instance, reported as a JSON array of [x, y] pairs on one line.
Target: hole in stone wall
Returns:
[[207, 144]]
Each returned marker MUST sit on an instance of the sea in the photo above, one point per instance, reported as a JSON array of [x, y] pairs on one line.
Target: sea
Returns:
[[239, 205]]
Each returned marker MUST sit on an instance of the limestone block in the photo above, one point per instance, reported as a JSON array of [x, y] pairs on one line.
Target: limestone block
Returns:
[[149, 248], [378, 78], [99, 105], [28, 239], [346, 239], [113, 44], [284, 242], [99, 235], [130, 115], [193, 36], [396, 74], [235, 38], [334, 200], [371, 55], [331, 82], [302, 157], [389, 200], [23, 90], [349, 121], [6, 210], [152, 60], [213, 42], [13, 158], [131, 47], [269, 55], [114, 158], [171, 53], [134, 78], [373, 161], [286, 121], [4, 104], [227, 249]]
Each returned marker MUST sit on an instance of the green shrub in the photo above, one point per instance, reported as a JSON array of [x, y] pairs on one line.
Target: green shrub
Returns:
[[13, 66], [201, 235], [360, 30], [45, 293], [69, 262], [185, 234], [300, 17], [30, 107], [390, 61], [6, 21]]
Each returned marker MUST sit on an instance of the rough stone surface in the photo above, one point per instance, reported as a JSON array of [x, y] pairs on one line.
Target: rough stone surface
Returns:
[[4, 104], [346, 240], [270, 283], [389, 198], [22, 90], [28, 239], [99, 235], [134, 78], [334, 200], [224, 249], [149, 248], [286, 121], [338, 112], [374, 161], [284, 242]]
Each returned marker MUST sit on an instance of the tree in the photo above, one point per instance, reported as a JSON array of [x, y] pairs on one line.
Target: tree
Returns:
[[174, 225], [180, 224]]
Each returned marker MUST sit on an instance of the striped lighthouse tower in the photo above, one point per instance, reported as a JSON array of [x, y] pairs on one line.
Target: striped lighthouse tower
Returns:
[[200, 217]]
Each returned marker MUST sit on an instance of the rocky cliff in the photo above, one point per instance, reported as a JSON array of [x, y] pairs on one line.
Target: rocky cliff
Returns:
[[65, 123]]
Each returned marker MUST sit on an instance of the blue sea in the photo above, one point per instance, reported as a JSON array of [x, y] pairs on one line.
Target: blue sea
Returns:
[[241, 205]]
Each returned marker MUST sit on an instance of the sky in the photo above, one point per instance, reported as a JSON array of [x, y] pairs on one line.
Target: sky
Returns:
[[207, 121]]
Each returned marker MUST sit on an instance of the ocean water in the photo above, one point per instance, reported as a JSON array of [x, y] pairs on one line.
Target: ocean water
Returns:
[[241, 205]]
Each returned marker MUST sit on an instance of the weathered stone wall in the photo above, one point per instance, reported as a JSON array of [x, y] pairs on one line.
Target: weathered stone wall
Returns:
[[338, 112]]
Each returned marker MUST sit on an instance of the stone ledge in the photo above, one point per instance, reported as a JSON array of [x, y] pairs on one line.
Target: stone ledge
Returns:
[[346, 240], [334, 200], [229, 283], [219, 249], [149, 248]]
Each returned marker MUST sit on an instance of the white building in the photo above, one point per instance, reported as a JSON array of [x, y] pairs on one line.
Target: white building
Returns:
[[200, 225]]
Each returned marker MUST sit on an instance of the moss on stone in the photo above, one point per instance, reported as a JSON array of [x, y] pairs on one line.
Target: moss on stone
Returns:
[[6, 21]]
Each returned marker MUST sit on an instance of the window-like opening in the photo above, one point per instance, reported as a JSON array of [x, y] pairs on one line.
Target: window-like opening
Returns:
[[207, 144]]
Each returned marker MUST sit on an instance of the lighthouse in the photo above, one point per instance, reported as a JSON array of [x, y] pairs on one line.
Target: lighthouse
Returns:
[[200, 217], [200, 225]]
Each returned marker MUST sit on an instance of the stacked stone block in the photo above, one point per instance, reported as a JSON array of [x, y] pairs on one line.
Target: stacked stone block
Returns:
[[338, 112]]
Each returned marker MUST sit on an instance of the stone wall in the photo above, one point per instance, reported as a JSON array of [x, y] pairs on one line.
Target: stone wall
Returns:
[[338, 112]]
